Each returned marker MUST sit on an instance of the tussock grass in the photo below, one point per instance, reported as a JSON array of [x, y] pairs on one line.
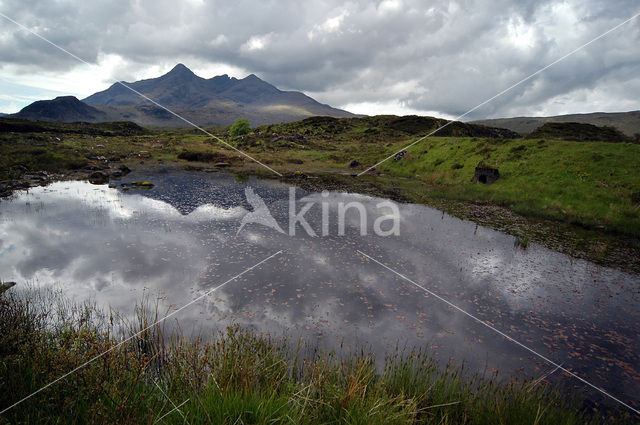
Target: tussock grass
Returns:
[[234, 377]]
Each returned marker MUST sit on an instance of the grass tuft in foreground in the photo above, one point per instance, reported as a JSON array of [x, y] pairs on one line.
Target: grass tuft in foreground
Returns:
[[236, 378]]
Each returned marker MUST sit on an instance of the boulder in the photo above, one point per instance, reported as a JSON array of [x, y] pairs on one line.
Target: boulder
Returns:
[[486, 175], [399, 155], [98, 177]]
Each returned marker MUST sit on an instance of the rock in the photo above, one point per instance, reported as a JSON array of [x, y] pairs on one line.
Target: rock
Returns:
[[98, 177], [6, 285], [117, 173], [399, 155], [92, 167], [93, 157], [354, 164], [39, 177], [4, 190], [21, 184], [486, 175]]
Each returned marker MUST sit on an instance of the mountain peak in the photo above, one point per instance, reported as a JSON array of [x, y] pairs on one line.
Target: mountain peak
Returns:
[[180, 69], [67, 99]]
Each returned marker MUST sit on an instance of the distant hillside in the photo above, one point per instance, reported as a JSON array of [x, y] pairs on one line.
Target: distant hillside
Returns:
[[63, 108], [627, 122], [381, 127], [206, 102], [122, 128], [412, 124], [578, 132]]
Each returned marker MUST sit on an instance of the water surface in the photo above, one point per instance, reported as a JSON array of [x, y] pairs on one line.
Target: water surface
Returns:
[[178, 240]]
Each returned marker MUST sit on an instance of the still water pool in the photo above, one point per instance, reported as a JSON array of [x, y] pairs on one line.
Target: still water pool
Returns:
[[180, 239]]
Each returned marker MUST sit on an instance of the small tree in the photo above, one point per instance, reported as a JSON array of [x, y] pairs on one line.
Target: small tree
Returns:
[[240, 127]]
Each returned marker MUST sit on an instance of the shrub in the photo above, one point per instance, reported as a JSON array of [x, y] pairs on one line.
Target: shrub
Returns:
[[240, 127]]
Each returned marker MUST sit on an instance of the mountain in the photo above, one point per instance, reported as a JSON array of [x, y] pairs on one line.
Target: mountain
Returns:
[[62, 108], [215, 101], [626, 122]]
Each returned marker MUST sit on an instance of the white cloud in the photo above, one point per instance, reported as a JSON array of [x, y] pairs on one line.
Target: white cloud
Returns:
[[388, 6], [256, 43], [329, 26], [389, 108]]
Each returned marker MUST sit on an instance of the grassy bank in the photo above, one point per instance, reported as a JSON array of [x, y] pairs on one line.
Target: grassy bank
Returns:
[[234, 378], [588, 183]]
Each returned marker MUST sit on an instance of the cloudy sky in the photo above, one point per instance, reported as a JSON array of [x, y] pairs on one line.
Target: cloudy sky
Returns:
[[392, 56]]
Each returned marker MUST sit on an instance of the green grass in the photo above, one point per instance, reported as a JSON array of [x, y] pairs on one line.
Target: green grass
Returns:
[[236, 377], [588, 183]]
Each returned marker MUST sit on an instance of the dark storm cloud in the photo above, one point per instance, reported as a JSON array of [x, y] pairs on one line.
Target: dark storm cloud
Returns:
[[445, 56]]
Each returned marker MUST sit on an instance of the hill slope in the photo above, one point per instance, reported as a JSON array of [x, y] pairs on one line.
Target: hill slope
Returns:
[[626, 122], [62, 108], [578, 132]]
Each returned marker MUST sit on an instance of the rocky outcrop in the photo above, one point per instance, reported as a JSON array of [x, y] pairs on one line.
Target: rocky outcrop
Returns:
[[486, 175]]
